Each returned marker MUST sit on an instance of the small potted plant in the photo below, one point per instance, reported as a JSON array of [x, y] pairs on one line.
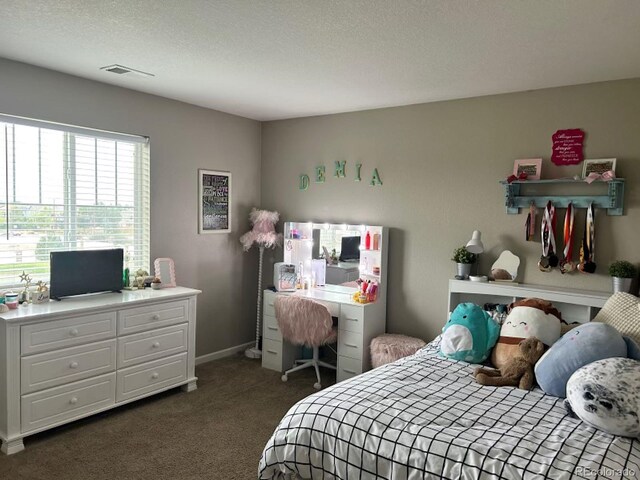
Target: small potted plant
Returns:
[[463, 258], [623, 273]]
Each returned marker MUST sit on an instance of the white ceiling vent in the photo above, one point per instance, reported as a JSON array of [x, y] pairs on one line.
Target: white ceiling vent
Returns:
[[122, 70]]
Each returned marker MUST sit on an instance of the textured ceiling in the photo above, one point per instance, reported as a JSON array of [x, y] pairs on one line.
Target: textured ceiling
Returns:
[[271, 59]]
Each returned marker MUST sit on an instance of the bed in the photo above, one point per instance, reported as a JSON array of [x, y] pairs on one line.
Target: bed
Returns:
[[425, 417]]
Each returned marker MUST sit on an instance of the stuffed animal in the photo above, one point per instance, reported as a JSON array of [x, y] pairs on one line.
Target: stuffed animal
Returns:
[[531, 317], [579, 347], [518, 372], [469, 334], [606, 395]]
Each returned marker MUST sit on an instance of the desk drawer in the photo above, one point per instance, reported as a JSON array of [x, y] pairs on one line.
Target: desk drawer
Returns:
[[67, 402], [135, 381], [267, 304], [153, 316], [50, 369], [350, 344], [272, 354], [271, 329], [351, 318], [51, 335], [347, 368], [146, 346]]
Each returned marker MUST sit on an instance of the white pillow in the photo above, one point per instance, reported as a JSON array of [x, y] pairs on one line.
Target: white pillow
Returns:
[[622, 311]]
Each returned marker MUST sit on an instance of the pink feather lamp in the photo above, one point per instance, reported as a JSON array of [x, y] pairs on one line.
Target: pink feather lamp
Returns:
[[263, 234]]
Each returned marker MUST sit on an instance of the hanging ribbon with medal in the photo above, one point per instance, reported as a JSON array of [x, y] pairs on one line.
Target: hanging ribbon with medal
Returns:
[[587, 249], [567, 265], [549, 259]]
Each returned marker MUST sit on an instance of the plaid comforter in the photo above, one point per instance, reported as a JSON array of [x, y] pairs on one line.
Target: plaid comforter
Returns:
[[425, 417]]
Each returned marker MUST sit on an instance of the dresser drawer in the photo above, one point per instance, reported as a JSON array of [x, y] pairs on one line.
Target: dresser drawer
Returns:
[[347, 368], [351, 318], [153, 316], [272, 354], [50, 335], [135, 381], [146, 346], [50, 369], [267, 303], [271, 329], [67, 402], [350, 344]]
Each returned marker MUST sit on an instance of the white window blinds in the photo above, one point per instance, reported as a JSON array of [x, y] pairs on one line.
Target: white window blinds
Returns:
[[69, 188]]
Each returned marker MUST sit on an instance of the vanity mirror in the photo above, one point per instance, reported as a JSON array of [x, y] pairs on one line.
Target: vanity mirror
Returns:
[[357, 247]]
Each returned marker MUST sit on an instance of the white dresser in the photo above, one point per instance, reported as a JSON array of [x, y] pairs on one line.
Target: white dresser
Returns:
[[358, 324], [62, 361]]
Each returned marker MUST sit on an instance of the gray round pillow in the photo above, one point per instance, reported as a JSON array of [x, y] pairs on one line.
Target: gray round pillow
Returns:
[[606, 395]]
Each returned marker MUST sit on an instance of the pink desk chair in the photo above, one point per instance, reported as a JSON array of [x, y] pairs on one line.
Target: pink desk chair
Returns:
[[303, 321]]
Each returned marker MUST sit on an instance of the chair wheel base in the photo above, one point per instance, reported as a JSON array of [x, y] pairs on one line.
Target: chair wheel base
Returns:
[[317, 386], [284, 378]]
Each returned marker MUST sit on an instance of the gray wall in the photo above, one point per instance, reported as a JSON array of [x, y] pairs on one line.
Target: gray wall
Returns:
[[183, 139], [440, 164]]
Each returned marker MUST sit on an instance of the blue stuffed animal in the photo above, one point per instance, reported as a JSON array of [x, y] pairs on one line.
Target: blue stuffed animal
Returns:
[[579, 347], [469, 335]]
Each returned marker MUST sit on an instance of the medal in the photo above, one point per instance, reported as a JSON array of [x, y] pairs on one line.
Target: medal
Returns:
[[587, 248], [567, 264], [549, 259]]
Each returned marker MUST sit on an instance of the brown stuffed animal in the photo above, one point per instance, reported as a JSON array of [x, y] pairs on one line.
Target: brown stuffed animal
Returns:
[[518, 372]]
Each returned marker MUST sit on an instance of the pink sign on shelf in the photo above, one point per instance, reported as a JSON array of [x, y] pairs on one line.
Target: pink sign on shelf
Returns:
[[567, 147]]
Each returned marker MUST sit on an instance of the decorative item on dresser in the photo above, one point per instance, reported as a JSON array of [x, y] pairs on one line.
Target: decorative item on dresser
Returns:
[[62, 361]]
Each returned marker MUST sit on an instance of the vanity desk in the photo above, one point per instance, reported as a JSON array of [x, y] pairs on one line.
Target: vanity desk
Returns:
[[358, 323], [61, 361]]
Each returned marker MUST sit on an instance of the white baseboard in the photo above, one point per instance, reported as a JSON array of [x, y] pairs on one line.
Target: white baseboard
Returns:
[[227, 352]]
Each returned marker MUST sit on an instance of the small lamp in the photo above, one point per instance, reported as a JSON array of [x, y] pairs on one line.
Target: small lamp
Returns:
[[475, 244]]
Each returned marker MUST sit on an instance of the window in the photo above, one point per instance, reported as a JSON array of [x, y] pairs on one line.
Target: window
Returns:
[[69, 188]]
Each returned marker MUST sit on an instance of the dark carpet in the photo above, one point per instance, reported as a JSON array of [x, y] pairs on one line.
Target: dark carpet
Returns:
[[215, 432]]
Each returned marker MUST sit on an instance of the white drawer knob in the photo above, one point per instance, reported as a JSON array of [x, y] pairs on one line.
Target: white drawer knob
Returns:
[[352, 345], [156, 345], [73, 400], [156, 317], [73, 332], [155, 375], [73, 365]]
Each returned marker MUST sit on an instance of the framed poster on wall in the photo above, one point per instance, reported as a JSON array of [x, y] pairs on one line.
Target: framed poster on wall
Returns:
[[215, 201]]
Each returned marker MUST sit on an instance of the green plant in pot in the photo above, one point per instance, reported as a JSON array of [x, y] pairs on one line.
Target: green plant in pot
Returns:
[[463, 258], [622, 273]]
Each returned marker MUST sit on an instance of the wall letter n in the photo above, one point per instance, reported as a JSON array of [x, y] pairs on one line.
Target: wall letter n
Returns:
[[340, 168]]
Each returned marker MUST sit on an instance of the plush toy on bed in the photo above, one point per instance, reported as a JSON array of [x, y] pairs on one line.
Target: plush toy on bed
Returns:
[[579, 347], [469, 334], [518, 372], [531, 317], [606, 395]]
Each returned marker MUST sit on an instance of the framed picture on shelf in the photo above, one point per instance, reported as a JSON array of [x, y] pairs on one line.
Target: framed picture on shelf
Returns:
[[599, 166], [214, 198], [531, 166]]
